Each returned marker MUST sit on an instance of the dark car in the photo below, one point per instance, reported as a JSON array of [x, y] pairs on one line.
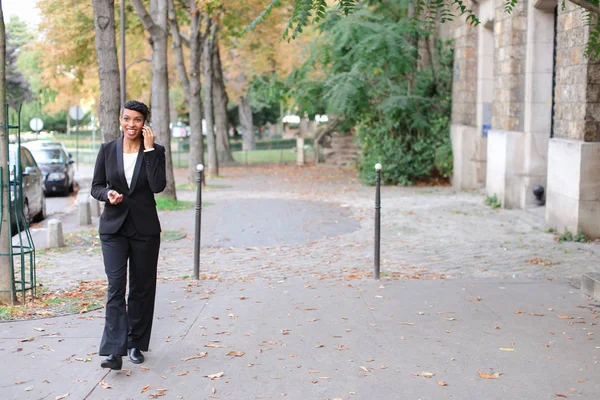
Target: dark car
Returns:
[[34, 200], [57, 167]]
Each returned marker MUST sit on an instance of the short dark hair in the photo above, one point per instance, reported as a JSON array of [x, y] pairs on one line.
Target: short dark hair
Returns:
[[139, 107]]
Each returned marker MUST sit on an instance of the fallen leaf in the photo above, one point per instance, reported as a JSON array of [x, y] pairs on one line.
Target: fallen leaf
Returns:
[[407, 323], [214, 390], [145, 389], [39, 329], [200, 355], [383, 367], [315, 371], [507, 349], [564, 316], [319, 345], [536, 315], [285, 331], [105, 385], [183, 373], [214, 346], [218, 375], [29, 388], [29, 339], [235, 353], [421, 313], [442, 383], [365, 368], [61, 397], [312, 320], [495, 375], [144, 368], [561, 395], [519, 312], [424, 374]]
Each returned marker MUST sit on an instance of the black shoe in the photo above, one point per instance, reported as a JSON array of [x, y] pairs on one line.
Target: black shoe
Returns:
[[136, 356], [113, 361]]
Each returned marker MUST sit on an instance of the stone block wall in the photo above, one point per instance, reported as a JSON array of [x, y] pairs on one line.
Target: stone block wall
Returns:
[[464, 88], [577, 92], [510, 35]]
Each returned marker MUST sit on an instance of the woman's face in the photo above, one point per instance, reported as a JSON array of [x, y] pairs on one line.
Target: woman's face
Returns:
[[132, 123]]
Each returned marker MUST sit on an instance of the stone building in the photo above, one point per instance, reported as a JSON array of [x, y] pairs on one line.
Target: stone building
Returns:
[[526, 110]]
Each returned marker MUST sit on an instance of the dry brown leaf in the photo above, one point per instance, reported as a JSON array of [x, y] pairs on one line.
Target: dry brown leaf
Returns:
[[235, 353], [495, 375], [383, 367], [218, 375], [105, 385], [183, 373], [61, 397], [442, 383], [313, 371], [285, 331], [319, 345], [214, 390], [519, 312], [507, 349], [364, 368], [145, 389], [312, 320], [561, 395], [200, 355], [144, 368], [564, 316], [214, 346], [424, 374]]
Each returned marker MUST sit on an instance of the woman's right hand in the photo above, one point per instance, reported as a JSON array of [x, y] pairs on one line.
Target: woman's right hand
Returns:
[[114, 198]]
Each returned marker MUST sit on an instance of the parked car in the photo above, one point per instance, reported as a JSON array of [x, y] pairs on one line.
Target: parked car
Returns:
[[37, 144], [34, 199], [57, 167]]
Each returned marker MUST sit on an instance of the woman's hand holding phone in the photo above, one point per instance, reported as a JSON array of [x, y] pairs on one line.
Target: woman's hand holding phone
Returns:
[[149, 137]]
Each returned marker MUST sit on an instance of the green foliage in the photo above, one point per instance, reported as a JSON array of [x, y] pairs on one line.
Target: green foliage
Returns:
[[568, 236], [167, 204], [399, 105], [493, 201]]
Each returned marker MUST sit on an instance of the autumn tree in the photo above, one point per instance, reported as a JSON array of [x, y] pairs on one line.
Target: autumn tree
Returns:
[[220, 100], [108, 68], [155, 24], [190, 82]]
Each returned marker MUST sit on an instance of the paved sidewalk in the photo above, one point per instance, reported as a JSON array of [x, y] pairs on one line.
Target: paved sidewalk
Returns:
[[277, 222], [305, 338], [286, 263]]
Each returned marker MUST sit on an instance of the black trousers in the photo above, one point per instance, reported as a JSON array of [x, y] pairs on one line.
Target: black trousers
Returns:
[[129, 325]]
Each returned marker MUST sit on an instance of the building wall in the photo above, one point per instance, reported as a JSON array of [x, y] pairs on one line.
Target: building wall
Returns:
[[509, 77], [577, 93], [464, 88]]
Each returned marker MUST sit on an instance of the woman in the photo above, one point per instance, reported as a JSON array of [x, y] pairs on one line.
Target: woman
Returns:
[[129, 170]]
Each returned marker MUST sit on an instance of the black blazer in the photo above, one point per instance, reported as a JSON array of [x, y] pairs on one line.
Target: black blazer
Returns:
[[149, 177]]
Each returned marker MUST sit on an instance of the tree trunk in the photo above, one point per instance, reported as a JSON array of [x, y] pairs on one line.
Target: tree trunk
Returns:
[[220, 106], [156, 25], [211, 30], [108, 68], [191, 84], [247, 125], [6, 278]]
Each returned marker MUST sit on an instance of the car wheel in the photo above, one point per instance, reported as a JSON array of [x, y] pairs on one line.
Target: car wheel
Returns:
[[42, 214]]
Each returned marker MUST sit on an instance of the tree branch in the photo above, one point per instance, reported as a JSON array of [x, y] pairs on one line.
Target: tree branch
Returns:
[[180, 64], [137, 62], [587, 5], [146, 19]]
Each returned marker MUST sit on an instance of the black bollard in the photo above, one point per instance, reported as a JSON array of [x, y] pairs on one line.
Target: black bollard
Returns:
[[377, 219], [200, 169]]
